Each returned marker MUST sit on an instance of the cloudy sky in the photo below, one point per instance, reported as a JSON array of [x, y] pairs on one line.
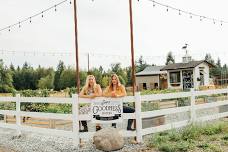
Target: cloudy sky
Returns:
[[104, 31]]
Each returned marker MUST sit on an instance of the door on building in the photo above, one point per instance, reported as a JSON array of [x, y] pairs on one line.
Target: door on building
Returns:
[[144, 86], [201, 77], [187, 76]]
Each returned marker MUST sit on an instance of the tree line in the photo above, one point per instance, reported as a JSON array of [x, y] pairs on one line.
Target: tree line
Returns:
[[26, 77]]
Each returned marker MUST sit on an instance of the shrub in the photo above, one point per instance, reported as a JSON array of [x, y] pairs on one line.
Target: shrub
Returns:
[[158, 139], [165, 147], [183, 146], [146, 92], [211, 129], [191, 132], [225, 137], [7, 106], [34, 107], [174, 135], [149, 106]]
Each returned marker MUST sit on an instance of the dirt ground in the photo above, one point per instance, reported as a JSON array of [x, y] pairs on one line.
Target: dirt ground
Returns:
[[4, 149]]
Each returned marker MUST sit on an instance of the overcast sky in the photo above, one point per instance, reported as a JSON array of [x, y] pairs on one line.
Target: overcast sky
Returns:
[[104, 31]]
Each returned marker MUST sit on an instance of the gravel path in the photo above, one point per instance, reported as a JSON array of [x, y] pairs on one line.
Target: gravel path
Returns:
[[28, 142]]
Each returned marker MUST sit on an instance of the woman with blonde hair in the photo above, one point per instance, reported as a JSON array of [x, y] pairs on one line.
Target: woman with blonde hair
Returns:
[[90, 90], [115, 90]]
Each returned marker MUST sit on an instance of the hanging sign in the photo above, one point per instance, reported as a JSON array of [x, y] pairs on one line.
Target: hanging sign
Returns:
[[107, 111]]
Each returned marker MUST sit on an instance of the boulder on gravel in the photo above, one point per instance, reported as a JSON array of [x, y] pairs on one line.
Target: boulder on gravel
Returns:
[[108, 139]]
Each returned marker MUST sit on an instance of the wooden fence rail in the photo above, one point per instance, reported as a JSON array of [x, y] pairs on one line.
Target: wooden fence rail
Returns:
[[138, 115]]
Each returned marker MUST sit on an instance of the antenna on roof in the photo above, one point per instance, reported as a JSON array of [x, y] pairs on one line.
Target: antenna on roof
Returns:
[[186, 58], [185, 48]]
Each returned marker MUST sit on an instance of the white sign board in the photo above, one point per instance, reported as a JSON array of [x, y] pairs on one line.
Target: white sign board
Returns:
[[107, 111]]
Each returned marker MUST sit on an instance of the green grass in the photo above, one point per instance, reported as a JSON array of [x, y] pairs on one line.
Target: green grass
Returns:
[[147, 92], [203, 138]]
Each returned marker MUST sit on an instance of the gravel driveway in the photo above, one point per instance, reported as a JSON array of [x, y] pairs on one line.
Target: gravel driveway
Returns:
[[29, 142]]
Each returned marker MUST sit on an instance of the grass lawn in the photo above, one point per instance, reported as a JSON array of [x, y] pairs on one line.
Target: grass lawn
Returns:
[[211, 137]]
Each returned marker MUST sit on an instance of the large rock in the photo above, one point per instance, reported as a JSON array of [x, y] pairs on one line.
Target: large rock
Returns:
[[108, 139]]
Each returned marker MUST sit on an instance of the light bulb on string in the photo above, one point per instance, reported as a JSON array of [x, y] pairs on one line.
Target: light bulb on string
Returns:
[[42, 14], [55, 8], [221, 23], [179, 12], [30, 20], [19, 24], [153, 4], [167, 8], [201, 18], [70, 2], [9, 29], [214, 21], [190, 15]]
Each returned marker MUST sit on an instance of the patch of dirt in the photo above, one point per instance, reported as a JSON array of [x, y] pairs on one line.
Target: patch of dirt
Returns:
[[4, 149]]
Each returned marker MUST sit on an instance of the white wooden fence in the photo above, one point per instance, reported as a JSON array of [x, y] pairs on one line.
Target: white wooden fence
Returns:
[[138, 115]]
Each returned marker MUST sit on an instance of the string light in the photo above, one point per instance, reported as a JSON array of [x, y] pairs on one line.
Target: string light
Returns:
[[34, 53], [180, 11], [153, 3], [19, 24]]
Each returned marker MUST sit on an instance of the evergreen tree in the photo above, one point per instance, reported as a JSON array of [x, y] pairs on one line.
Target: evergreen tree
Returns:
[[209, 59], [141, 64], [218, 64], [46, 82], [58, 73], [170, 59], [67, 78], [5, 79]]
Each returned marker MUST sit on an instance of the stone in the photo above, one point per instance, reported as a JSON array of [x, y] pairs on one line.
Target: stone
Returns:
[[108, 139]]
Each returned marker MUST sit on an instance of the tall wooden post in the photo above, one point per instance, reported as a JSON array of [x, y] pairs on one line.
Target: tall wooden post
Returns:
[[132, 47], [132, 53], [76, 46]]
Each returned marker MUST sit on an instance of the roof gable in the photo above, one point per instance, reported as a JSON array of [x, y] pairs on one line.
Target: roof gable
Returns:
[[191, 64], [151, 70]]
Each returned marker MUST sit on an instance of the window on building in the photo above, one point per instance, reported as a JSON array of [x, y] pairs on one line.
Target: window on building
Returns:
[[144, 86], [156, 85], [175, 79]]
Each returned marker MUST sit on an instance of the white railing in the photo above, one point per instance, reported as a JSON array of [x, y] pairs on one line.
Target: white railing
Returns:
[[138, 115]]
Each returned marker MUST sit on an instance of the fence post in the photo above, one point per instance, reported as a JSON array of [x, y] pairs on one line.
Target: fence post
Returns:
[[138, 117], [75, 117], [193, 111], [18, 116]]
